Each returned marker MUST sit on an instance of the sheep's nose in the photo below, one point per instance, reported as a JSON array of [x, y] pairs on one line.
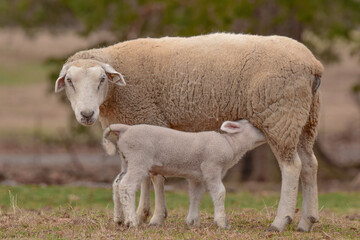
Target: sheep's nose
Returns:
[[87, 114]]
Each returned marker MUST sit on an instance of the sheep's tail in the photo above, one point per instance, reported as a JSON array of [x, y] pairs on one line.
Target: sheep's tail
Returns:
[[317, 70], [108, 145]]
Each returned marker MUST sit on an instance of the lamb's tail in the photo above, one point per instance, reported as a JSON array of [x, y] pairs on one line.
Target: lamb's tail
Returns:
[[108, 145]]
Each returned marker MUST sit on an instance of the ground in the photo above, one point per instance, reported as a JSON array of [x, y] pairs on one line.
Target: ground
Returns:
[[80, 212]]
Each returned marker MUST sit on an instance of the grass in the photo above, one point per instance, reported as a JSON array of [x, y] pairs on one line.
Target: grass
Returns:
[[61, 212], [23, 73]]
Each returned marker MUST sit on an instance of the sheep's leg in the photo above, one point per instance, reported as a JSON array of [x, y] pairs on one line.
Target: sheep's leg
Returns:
[[144, 208], [160, 212], [290, 171], [212, 176], [310, 212], [196, 191], [118, 211], [127, 189]]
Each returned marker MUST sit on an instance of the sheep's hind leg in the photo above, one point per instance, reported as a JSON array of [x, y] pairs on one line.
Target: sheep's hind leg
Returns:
[[310, 208], [290, 171], [196, 191], [127, 189], [160, 212], [118, 211], [144, 208]]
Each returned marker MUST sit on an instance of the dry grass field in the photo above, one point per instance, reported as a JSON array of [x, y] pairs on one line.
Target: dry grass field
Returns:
[[35, 212]]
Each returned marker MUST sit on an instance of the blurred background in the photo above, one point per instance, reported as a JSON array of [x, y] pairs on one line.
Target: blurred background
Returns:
[[40, 140]]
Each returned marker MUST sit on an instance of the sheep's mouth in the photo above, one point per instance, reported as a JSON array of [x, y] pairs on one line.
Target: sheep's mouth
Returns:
[[87, 121]]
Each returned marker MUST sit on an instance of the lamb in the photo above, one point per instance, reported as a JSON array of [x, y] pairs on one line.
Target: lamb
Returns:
[[202, 158], [196, 83]]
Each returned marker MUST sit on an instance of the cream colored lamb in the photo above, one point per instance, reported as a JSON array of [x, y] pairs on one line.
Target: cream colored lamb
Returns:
[[202, 158], [195, 84]]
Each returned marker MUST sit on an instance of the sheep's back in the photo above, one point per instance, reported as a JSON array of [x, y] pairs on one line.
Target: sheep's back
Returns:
[[196, 83]]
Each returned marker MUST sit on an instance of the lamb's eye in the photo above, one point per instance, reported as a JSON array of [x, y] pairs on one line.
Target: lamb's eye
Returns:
[[102, 79]]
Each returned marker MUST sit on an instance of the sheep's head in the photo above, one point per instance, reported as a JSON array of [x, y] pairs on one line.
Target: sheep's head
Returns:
[[86, 84], [244, 132]]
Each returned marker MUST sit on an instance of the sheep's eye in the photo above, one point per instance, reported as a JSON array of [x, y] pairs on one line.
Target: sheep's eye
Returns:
[[69, 81], [102, 80]]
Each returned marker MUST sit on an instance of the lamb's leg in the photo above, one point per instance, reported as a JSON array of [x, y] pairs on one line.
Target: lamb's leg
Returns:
[[212, 176], [127, 189], [290, 171], [160, 212], [144, 208], [196, 191], [310, 212], [118, 211]]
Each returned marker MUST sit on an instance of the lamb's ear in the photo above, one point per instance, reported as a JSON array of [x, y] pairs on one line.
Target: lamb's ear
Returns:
[[60, 82], [109, 146], [231, 127], [113, 75]]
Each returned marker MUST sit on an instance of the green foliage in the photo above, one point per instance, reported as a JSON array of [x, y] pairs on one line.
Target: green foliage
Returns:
[[135, 18]]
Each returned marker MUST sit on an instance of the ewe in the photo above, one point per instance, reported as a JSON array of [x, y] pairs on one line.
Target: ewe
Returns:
[[196, 83]]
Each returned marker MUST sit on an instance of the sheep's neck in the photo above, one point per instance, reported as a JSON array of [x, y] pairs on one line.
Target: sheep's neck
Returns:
[[239, 149]]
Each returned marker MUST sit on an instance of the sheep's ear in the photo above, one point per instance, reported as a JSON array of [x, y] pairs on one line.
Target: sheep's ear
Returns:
[[117, 133], [113, 75], [231, 127], [60, 82]]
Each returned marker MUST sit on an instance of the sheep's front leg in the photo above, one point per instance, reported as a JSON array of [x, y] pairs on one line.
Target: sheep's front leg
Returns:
[[144, 208], [212, 176], [310, 206], [290, 171], [127, 189], [118, 211], [160, 212], [196, 191]]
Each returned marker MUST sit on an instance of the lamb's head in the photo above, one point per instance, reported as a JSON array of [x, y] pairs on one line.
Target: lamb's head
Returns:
[[86, 84], [244, 133]]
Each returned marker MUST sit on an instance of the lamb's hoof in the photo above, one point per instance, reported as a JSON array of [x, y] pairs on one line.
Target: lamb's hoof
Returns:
[[156, 222], [195, 222], [280, 224], [143, 215], [118, 221], [306, 225], [223, 224], [131, 224], [273, 229]]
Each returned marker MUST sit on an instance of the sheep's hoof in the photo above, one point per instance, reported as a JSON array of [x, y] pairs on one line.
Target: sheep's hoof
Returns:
[[223, 224], [156, 222], [273, 229], [118, 221], [131, 224], [143, 215], [306, 225], [158, 219], [195, 222], [280, 224]]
